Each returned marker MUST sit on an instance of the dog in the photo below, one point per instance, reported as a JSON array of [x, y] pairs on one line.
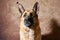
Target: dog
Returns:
[[29, 23]]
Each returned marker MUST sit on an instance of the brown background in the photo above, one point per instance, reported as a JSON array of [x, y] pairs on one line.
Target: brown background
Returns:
[[49, 18]]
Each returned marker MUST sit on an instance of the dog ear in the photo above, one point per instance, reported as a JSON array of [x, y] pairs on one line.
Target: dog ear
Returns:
[[21, 8], [35, 7]]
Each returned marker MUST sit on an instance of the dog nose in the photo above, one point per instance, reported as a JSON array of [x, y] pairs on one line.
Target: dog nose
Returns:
[[28, 21]]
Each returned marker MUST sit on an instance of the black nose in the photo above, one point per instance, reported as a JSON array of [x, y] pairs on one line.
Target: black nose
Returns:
[[28, 21]]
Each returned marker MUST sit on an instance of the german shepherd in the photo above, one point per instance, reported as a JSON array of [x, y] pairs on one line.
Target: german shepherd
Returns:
[[29, 23]]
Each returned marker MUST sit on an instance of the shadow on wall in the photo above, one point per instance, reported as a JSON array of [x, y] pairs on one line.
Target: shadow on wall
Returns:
[[55, 34]]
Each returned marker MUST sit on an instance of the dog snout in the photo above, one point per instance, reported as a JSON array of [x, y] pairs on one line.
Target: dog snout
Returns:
[[28, 21]]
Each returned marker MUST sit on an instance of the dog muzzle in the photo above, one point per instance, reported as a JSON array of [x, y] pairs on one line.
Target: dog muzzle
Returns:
[[28, 22]]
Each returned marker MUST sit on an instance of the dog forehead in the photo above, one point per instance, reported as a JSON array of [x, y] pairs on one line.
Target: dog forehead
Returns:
[[28, 11]]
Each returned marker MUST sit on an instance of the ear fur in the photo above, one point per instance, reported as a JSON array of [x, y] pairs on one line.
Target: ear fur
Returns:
[[35, 7], [21, 8]]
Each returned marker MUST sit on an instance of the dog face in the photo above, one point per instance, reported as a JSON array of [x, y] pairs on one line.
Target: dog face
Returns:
[[28, 16]]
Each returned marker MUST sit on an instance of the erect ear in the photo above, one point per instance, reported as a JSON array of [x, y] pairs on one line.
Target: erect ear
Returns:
[[21, 8], [35, 7]]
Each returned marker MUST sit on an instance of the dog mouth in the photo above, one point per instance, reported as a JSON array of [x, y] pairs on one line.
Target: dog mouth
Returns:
[[28, 22]]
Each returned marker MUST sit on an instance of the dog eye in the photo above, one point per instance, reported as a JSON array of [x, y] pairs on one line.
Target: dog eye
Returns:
[[31, 14], [25, 15]]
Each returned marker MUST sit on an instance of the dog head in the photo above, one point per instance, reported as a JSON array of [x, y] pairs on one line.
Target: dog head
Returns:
[[28, 16]]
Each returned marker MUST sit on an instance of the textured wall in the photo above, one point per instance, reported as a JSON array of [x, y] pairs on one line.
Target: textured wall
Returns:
[[49, 18], [9, 22]]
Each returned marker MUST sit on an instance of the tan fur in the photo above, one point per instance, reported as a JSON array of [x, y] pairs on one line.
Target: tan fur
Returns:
[[27, 33]]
